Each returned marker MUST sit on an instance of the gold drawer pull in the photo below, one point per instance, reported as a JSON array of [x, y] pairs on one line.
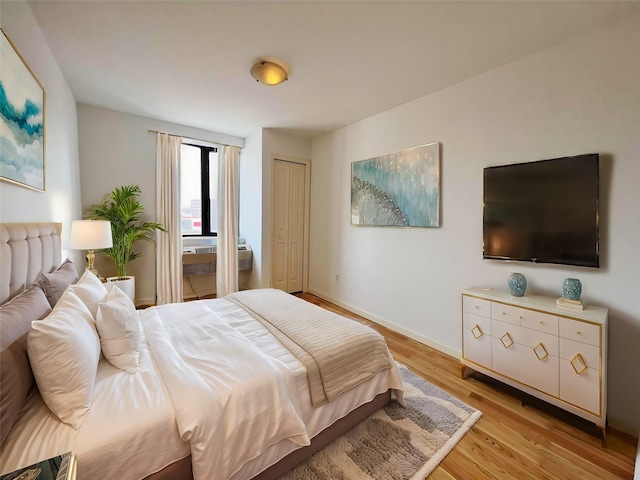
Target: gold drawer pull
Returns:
[[506, 340], [521, 317], [477, 333], [578, 332], [579, 364], [541, 322], [477, 306], [540, 351]]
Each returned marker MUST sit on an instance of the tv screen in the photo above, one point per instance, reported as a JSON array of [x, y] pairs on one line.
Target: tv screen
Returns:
[[543, 212]]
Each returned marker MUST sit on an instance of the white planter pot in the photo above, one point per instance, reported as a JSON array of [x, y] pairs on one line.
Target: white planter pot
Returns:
[[126, 284]]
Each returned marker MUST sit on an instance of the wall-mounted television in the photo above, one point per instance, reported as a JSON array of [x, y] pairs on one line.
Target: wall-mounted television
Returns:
[[543, 212]]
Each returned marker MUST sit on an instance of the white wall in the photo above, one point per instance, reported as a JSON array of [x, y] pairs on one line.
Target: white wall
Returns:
[[251, 202], [116, 149], [275, 145], [61, 200], [579, 97]]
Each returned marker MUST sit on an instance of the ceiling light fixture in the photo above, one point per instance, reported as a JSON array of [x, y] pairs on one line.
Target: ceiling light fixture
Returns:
[[269, 73]]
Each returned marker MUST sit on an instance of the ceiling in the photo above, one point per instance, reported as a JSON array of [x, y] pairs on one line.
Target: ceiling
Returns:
[[188, 62]]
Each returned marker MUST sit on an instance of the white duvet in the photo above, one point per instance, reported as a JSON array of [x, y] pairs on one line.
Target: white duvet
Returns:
[[231, 401], [185, 399]]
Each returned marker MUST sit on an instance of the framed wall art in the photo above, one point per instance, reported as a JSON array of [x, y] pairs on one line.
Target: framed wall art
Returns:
[[397, 190], [22, 101]]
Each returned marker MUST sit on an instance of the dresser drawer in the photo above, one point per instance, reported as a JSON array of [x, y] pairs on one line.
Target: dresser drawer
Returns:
[[477, 306], [581, 390], [590, 355], [520, 363], [578, 331], [543, 322], [470, 320], [506, 313], [476, 348], [476, 339], [525, 337]]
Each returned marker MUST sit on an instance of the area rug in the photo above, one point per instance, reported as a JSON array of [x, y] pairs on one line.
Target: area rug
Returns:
[[395, 442]]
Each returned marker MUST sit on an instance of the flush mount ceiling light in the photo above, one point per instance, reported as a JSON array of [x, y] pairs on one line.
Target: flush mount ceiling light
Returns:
[[269, 73]]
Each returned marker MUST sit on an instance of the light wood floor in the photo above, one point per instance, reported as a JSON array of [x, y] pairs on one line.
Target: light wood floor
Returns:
[[534, 441]]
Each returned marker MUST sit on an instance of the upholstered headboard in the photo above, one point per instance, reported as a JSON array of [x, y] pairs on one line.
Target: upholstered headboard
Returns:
[[26, 249]]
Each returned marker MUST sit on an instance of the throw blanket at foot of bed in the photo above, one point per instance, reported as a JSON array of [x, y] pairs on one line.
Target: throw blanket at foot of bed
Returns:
[[338, 353]]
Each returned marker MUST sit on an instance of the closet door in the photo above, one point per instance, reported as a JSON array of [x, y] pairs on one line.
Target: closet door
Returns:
[[296, 227], [287, 265]]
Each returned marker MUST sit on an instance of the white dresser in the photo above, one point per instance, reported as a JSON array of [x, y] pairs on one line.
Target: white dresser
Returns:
[[553, 353]]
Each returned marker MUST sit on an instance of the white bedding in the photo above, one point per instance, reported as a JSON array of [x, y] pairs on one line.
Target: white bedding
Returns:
[[131, 430], [231, 401], [131, 417], [316, 418]]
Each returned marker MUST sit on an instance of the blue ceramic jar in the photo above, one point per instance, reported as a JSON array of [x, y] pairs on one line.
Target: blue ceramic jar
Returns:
[[571, 289], [517, 284]]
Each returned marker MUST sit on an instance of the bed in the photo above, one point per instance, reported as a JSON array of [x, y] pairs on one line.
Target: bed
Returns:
[[231, 388]]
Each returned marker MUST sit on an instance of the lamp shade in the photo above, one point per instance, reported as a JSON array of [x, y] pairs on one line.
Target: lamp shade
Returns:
[[269, 73], [91, 234]]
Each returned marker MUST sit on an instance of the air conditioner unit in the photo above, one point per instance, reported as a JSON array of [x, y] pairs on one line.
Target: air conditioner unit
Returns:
[[202, 260], [245, 257]]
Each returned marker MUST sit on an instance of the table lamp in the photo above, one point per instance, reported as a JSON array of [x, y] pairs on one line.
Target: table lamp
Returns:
[[91, 235]]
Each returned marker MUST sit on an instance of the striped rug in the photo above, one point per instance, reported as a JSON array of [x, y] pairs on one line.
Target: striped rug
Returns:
[[395, 442]]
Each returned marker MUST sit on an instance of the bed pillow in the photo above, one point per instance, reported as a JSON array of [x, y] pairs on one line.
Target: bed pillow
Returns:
[[64, 350], [90, 290], [119, 330], [55, 283], [16, 379]]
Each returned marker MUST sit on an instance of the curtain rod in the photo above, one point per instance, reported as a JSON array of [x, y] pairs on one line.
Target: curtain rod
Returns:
[[194, 138]]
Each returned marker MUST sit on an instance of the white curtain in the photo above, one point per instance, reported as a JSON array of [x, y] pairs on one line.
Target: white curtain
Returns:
[[227, 251], [169, 260]]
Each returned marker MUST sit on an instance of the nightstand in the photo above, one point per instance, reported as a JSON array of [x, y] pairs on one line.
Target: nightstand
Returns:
[[62, 467]]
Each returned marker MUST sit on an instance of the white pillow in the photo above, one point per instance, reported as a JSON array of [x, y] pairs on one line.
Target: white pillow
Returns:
[[119, 330], [64, 350], [90, 290]]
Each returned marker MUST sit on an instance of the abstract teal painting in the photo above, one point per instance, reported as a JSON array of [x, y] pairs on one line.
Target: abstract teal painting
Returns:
[[397, 190], [22, 101]]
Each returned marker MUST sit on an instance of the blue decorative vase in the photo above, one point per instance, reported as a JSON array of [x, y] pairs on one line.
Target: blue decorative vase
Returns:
[[517, 284], [571, 289]]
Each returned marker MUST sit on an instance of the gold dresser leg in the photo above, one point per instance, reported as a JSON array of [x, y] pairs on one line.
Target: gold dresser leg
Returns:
[[603, 430]]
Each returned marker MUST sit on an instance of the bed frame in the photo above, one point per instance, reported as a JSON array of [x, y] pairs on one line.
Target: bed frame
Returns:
[[27, 249]]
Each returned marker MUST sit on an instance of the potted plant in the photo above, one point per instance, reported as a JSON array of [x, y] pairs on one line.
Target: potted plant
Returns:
[[122, 208]]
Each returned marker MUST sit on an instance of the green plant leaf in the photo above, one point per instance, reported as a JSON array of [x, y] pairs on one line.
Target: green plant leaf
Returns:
[[122, 208]]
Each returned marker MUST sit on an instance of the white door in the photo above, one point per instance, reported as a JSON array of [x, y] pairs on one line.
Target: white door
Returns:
[[279, 270], [288, 225]]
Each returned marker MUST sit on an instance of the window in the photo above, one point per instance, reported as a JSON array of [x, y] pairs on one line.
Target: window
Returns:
[[199, 190]]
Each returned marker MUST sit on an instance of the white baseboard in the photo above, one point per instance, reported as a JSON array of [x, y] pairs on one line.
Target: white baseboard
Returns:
[[396, 328]]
